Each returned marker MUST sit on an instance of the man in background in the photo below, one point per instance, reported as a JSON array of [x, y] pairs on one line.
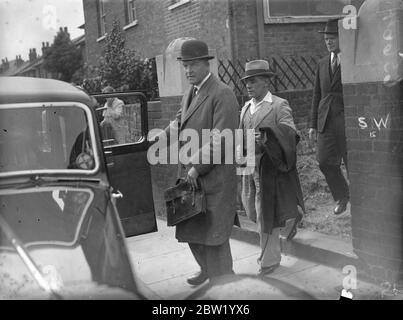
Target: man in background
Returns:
[[327, 119]]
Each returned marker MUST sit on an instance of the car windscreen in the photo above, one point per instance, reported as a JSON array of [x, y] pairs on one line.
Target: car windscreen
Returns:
[[69, 240], [46, 138]]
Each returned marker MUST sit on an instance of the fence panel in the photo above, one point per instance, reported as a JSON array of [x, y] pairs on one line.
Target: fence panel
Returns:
[[293, 73]]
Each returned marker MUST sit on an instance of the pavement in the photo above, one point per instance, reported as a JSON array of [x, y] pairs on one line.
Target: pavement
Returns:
[[312, 264]]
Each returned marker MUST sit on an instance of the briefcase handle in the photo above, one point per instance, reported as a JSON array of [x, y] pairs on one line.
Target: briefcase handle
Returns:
[[179, 180]]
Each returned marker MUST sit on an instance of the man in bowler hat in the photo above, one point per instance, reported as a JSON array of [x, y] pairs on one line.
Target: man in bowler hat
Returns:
[[327, 118], [207, 104]]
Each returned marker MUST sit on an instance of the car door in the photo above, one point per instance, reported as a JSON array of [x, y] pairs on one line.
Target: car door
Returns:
[[124, 128]]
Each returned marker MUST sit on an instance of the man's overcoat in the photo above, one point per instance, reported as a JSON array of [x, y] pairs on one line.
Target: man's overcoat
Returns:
[[273, 115], [327, 95], [214, 107]]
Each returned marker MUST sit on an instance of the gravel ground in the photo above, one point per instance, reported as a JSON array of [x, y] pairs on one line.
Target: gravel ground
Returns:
[[318, 201]]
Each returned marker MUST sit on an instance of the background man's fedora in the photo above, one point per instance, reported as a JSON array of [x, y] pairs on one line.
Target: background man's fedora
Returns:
[[257, 68], [194, 50], [331, 27]]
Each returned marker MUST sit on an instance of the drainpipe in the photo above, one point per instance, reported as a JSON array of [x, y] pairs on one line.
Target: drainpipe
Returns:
[[260, 28]]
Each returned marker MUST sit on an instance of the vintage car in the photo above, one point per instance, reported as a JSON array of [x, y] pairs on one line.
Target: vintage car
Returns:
[[68, 197]]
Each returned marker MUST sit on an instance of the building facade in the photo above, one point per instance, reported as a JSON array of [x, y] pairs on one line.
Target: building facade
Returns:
[[236, 29], [34, 66]]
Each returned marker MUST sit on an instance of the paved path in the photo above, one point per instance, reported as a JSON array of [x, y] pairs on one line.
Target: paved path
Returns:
[[162, 265]]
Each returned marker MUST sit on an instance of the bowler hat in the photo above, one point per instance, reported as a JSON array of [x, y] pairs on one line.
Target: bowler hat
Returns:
[[331, 27], [194, 50], [257, 68]]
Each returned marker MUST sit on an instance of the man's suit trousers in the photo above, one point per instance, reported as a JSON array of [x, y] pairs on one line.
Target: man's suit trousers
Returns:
[[331, 150], [213, 260]]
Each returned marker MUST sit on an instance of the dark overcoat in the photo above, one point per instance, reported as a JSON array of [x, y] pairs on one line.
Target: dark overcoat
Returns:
[[327, 95], [281, 188], [214, 107]]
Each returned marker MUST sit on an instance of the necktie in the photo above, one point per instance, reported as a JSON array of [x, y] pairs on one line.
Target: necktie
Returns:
[[194, 92], [334, 62]]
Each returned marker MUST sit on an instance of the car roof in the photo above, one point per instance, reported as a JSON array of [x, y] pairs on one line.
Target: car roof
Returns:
[[27, 90]]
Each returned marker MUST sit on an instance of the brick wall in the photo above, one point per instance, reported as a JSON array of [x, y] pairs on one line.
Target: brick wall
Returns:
[[205, 20], [93, 49], [279, 39], [375, 156], [158, 26], [148, 37], [229, 26], [244, 29], [299, 39]]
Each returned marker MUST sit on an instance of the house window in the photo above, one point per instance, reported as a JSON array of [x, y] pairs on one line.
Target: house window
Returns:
[[130, 12], [177, 3], [285, 11], [101, 18]]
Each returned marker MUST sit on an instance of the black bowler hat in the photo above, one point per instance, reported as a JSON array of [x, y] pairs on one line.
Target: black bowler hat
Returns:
[[257, 68], [332, 27], [194, 50]]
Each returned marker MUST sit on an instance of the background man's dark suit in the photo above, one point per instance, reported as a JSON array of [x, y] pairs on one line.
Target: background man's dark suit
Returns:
[[327, 117]]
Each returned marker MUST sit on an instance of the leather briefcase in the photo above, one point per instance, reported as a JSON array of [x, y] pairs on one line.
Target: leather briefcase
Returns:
[[182, 202]]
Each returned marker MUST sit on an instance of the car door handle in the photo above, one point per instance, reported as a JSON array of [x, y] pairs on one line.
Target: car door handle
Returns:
[[117, 195]]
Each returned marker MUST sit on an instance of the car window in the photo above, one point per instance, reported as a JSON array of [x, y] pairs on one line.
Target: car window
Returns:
[[120, 120], [72, 243], [45, 138]]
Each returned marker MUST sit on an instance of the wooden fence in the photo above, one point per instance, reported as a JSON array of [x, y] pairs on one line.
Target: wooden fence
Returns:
[[292, 73]]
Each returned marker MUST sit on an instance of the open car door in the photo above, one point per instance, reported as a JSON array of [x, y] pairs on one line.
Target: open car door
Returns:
[[124, 129]]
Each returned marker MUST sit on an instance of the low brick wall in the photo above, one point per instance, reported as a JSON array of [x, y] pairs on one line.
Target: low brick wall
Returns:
[[374, 122]]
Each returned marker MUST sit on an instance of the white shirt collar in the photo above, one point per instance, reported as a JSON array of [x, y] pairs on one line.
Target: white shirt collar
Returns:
[[255, 106], [203, 82]]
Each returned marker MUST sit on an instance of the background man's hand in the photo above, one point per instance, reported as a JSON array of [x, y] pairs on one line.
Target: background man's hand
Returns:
[[192, 178]]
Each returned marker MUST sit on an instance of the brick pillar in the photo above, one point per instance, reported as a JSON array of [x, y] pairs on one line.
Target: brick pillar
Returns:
[[172, 84], [372, 71]]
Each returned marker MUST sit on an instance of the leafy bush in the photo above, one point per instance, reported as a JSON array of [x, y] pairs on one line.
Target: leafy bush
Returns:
[[63, 57], [121, 68]]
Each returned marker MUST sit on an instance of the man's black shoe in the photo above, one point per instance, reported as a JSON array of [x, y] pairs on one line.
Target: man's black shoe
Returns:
[[341, 206], [199, 278], [267, 270]]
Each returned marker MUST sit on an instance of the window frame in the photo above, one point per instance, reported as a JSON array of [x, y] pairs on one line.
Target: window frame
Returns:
[[101, 17], [294, 19], [177, 4], [130, 14], [69, 172]]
